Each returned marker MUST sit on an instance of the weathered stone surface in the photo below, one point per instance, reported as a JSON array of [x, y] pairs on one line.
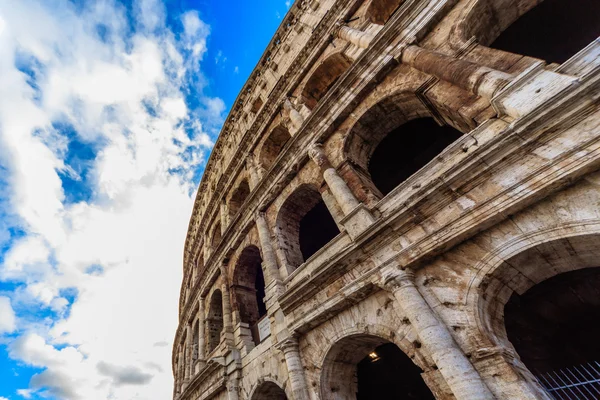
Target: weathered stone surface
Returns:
[[427, 267]]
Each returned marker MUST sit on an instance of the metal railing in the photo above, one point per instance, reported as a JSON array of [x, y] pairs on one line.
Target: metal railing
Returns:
[[580, 382]]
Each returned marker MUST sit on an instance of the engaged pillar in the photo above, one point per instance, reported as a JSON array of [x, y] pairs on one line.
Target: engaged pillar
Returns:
[[459, 373], [477, 79], [356, 216], [354, 36], [291, 352]]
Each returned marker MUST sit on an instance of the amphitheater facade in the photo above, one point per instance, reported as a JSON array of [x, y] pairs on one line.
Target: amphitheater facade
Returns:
[[403, 203]]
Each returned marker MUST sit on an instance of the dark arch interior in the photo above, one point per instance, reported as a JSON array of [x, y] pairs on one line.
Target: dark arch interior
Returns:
[[238, 198], [249, 285], [215, 320], [317, 228], [556, 324], [406, 150], [387, 373], [259, 284], [553, 31], [380, 11], [273, 145], [323, 78]]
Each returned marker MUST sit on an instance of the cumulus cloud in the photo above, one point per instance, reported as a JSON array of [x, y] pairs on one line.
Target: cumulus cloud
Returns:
[[99, 149], [7, 316], [124, 375]]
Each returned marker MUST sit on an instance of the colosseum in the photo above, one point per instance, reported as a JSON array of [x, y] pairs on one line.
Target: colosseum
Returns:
[[403, 203]]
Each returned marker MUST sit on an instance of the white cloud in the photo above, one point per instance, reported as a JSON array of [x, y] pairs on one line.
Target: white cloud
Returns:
[[7, 316], [120, 88], [25, 393]]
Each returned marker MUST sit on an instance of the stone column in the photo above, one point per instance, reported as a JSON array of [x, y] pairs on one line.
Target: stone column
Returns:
[[252, 173], [271, 270], [354, 36], [333, 207], [206, 248], [227, 321], [232, 389], [291, 352], [224, 217], [294, 116], [179, 375], [201, 340], [356, 217], [459, 373], [477, 79], [189, 364], [339, 189]]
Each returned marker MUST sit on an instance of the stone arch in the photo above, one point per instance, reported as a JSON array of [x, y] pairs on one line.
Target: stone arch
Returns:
[[267, 389], [304, 225], [518, 265], [214, 321], [248, 286], [238, 197], [393, 139], [379, 11], [323, 78], [341, 367], [541, 29], [273, 145]]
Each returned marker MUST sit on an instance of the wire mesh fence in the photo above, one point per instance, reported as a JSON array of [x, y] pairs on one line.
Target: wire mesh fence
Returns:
[[580, 382]]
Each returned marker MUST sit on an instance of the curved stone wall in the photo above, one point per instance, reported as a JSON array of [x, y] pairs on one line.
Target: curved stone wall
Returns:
[[295, 246]]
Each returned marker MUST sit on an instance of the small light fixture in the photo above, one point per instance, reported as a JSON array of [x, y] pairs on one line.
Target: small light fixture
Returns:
[[373, 356]]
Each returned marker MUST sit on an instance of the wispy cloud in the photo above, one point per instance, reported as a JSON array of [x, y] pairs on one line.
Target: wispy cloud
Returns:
[[100, 147]]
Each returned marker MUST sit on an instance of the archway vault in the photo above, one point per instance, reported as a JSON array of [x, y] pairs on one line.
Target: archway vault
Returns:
[[363, 365], [268, 389]]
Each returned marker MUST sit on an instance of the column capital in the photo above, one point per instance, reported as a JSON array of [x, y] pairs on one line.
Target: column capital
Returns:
[[394, 278], [289, 344], [317, 154]]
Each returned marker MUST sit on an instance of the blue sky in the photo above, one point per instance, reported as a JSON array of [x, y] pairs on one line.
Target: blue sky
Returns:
[[108, 112]]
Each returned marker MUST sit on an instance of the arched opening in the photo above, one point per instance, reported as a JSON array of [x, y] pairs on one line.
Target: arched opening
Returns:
[[238, 197], [216, 236], [304, 225], [394, 139], [268, 391], [323, 78], [406, 149], [380, 11], [366, 367], [214, 321], [553, 30], [249, 289], [556, 324], [273, 146], [542, 305]]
